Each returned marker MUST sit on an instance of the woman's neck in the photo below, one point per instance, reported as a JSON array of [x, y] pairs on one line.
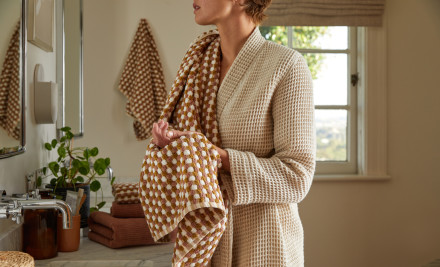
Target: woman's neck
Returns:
[[233, 35]]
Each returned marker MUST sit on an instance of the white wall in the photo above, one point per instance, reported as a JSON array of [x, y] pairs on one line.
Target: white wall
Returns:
[[14, 169], [109, 28], [395, 223]]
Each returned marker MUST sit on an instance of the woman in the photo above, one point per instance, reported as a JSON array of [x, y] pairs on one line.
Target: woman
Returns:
[[265, 116]]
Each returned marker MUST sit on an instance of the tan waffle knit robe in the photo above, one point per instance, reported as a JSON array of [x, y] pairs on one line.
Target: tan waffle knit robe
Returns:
[[265, 113]]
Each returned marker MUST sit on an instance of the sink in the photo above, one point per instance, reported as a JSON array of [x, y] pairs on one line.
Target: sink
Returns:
[[10, 235], [101, 263]]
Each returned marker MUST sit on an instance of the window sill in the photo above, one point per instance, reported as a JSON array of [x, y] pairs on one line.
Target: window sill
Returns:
[[350, 177]]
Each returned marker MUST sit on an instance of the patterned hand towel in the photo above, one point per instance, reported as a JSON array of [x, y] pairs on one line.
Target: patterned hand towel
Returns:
[[142, 82], [127, 210], [119, 232], [126, 193], [10, 87], [178, 184]]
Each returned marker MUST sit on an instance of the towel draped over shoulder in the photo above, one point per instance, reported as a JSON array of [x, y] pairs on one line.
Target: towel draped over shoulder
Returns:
[[179, 184]]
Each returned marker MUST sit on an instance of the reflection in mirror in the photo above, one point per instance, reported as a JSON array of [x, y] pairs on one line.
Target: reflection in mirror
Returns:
[[72, 110], [12, 73]]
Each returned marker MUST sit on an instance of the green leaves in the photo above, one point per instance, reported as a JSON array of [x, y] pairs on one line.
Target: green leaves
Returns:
[[95, 186], [93, 209], [64, 171], [84, 167], [62, 152], [99, 166], [54, 143], [53, 182], [74, 165], [69, 135], [90, 152], [39, 181], [86, 153], [94, 152], [54, 167], [48, 146], [101, 204], [302, 37], [98, 207], [80, 179]]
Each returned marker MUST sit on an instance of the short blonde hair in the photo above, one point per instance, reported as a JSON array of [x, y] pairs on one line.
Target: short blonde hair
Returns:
[[255, 9]]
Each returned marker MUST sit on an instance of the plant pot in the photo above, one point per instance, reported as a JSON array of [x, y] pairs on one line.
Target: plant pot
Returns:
[[85, 208], [68, 239]]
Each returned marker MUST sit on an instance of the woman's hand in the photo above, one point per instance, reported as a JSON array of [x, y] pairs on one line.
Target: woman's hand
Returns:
[[162, 136]]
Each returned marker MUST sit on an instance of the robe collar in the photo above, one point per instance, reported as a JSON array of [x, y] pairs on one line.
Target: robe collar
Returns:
[[241, 63]]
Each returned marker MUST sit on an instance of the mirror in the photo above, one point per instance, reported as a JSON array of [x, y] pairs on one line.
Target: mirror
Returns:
[[12, 77], [69, 66]]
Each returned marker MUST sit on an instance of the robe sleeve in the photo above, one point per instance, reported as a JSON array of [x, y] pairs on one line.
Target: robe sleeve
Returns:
[[286, 176]]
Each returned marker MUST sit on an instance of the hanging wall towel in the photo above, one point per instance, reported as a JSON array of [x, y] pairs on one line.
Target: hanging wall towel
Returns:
[[10, 87], [142, 82], [178, 183]]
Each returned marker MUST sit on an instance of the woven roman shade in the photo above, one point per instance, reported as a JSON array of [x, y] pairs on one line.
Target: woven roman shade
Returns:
[[325, 13]]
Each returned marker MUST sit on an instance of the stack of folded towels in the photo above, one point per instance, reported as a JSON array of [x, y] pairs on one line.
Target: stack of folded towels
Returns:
[[125, 226]]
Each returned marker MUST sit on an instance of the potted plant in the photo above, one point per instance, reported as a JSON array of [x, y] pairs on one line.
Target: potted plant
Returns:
[[75, 167]]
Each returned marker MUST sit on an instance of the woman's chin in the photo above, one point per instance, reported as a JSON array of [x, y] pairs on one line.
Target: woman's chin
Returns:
[[202, 22]]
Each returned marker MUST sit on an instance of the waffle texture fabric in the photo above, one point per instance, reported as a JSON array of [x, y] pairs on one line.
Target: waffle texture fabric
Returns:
[[127, 210], [179, 184], [265, 113], [10, 87], [126, 193], [142, 82], [119, 232]]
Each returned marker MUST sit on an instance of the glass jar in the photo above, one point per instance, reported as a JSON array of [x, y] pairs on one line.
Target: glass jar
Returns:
[[40, 233]]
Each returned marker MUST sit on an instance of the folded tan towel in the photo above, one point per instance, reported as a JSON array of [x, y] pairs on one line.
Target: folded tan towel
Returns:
[[143, 83], [120, 232], [126, 193], [127, 210], [10, 88]]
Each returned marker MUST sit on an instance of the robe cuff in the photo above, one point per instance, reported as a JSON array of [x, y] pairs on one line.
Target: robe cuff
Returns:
[[241, 177]]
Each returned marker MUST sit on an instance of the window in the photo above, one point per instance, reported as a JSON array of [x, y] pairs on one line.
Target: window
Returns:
[[331, 53]]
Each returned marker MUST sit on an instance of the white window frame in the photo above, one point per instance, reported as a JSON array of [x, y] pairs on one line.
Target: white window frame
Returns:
[[372, 116], [350, 165]]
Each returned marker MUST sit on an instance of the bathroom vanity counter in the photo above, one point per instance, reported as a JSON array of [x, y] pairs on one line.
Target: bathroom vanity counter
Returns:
[[10, 235], [94, 254]]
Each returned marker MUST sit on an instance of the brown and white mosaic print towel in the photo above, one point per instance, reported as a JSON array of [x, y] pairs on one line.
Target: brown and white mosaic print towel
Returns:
[[178, 184], [10, 87], [126, 193], [142, 82]]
